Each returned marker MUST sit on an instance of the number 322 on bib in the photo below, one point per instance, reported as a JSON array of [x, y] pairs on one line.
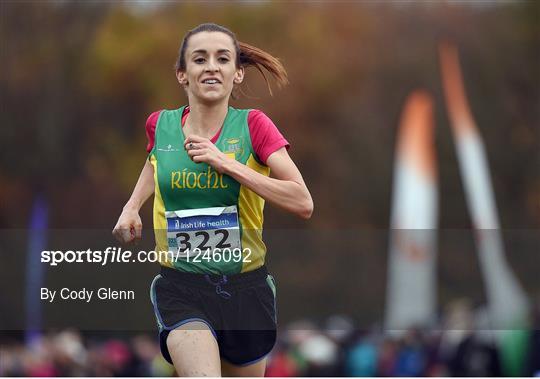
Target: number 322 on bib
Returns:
[[204, 229]]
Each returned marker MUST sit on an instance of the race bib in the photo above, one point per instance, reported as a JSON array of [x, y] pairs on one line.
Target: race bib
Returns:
[[192, 231]]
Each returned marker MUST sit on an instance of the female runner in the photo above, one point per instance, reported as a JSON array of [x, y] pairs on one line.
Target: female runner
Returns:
[[209, 167]]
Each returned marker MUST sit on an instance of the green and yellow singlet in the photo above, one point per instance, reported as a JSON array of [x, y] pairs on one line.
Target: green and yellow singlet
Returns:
[[204, 221]]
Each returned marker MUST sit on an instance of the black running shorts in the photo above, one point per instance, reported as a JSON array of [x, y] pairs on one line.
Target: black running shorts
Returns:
[[239, 309]]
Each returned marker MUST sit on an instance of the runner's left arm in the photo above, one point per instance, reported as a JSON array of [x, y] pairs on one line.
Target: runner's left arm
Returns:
[[286, 189]]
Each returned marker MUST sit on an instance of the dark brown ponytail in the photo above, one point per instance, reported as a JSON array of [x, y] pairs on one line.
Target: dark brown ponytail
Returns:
[[253, 56]]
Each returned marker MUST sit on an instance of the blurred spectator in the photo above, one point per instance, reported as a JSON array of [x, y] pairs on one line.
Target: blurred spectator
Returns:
[[387, 358], [281, 365], [362, 359], [321, 354], [411, 357], [463, 346], [473, 357]]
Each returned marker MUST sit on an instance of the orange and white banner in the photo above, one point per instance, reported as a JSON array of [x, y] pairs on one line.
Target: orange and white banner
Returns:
[[508, 305], [411, 288]]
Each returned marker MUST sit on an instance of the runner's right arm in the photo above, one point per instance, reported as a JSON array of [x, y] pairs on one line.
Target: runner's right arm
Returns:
[[129, 225]]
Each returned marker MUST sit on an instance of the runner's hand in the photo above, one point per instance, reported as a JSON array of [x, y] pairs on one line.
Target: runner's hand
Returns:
[[202, 149], [129, 227]]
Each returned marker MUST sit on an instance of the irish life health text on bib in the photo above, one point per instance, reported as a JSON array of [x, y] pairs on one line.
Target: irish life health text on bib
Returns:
[[191, 231]]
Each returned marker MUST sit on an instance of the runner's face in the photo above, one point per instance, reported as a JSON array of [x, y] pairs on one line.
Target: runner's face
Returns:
[[211, 70]]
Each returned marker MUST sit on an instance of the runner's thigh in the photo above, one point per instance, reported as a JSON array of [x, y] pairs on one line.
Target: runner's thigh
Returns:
[[194, 350]]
